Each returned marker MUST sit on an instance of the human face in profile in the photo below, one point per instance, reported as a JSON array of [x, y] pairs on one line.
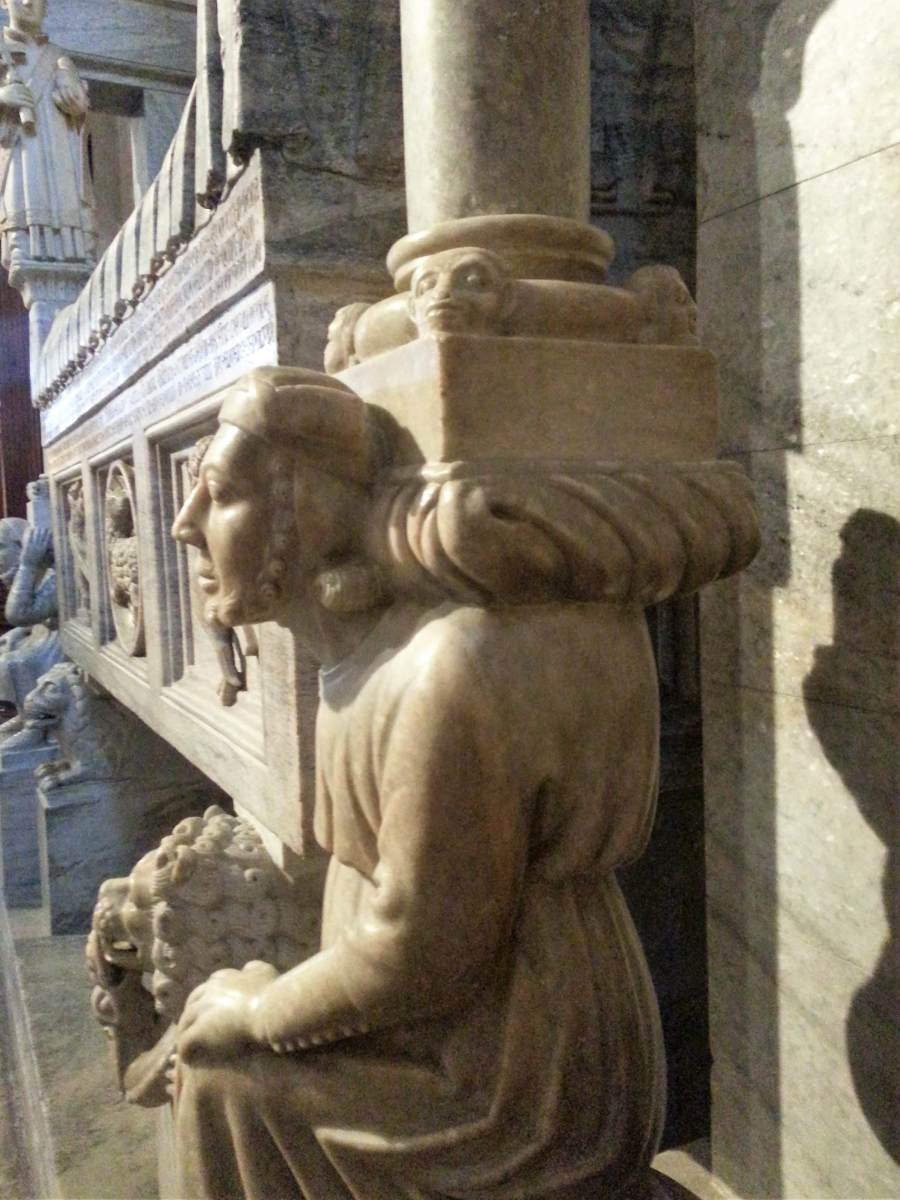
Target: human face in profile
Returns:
[[228, 518]]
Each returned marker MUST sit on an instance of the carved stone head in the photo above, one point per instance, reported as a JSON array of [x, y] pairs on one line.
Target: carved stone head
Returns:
[[12, 534], [667, 306], [282, 492], [465, 290], [26, 16], [340, 352]]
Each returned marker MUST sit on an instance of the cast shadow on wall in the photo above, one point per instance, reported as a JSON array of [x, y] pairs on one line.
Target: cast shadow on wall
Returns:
[[861, 745], [749, 234]]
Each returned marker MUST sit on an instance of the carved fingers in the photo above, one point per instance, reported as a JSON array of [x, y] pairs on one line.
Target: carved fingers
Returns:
[[70, 95], [37, 546], [16, 95], [218, 1017]]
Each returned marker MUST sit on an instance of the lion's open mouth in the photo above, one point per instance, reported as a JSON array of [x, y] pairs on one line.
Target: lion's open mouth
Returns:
[[37, 717]]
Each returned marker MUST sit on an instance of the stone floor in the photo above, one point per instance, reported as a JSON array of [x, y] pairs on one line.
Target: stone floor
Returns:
[[104, 1148]]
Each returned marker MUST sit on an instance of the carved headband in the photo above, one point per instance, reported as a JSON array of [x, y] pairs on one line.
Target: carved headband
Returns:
[[323, 416]]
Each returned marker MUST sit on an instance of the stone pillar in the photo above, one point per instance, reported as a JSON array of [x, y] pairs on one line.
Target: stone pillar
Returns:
[[46, 287], [797, 269], [496, 101]]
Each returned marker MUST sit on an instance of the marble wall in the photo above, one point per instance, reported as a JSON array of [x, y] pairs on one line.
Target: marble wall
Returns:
[[797, 267]]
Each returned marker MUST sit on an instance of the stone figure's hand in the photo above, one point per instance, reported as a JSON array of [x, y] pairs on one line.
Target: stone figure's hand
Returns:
[[10, 640], [37, 547], [70, 95], [219, 1017], [16, 95]]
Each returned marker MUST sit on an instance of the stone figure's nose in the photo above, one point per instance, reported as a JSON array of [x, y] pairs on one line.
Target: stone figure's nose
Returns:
[[186, 527]]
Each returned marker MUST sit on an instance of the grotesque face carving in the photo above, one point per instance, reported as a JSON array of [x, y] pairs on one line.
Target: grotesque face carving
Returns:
[[460, 291], [27, 16], [229, 518]]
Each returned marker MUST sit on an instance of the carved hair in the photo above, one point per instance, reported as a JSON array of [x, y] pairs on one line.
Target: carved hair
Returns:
[[215, 899]]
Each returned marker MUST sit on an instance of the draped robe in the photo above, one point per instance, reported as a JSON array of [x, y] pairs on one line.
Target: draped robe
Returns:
[[479, 1021], [45, 206]]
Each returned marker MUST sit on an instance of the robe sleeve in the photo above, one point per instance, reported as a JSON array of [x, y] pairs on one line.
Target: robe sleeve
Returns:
[[29, 603], [451, 857]]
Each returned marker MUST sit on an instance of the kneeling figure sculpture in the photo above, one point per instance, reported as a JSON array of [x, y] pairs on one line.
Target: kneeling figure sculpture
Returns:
[[479, 1021]]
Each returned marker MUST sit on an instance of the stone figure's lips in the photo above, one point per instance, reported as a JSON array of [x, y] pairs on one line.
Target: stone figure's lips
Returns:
[[206, 577], [445, 311]]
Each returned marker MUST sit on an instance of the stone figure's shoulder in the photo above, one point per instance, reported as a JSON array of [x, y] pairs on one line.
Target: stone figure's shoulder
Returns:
[[490, 644]]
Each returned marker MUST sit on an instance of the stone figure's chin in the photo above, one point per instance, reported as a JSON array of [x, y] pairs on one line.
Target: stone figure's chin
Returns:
[[245, 607]]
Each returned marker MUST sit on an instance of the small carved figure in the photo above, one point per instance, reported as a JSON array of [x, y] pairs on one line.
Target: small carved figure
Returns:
[[230, 654], [32, 647], [209, 897], [45, 207], [461, 291], [93, 733], [122, 558], [668, 308], [340, 352], [74, 495], [479, 1020]]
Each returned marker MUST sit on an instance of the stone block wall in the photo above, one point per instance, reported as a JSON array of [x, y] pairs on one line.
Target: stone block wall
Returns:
[[797, 265]]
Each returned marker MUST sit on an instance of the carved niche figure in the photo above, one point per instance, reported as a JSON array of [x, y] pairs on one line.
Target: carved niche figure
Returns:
[[461, 291], [45, 207], [231, 655], [641, 135], [209, 897], [32, 646], [77, 530], [93, 734], [122, 558], [479, 1020]]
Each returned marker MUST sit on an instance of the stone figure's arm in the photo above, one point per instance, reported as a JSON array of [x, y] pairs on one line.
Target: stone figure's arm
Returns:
[[452, 852], [28, 602], [14, 96], [70, 94]]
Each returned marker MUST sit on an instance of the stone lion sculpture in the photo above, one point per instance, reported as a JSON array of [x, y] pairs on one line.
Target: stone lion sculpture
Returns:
[[207, 898], [94, 736]]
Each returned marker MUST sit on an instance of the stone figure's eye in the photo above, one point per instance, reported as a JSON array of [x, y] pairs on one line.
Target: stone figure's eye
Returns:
[[218, 492], [425, 284], [476, 278]]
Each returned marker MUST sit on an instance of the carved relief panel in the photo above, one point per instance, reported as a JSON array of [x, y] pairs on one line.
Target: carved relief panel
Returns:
[[123, 576], [72, 549]]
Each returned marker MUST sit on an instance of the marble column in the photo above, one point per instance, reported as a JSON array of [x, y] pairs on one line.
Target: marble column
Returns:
[[797, 267], [496, 108], [46, 287]]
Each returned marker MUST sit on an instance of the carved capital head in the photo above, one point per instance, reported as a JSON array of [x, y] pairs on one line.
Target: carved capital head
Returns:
[[340, 351], [466, 290]]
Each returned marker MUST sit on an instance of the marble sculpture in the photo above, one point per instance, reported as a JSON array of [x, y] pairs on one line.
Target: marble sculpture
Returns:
[[32, 646], [462, 522], [487, 756], [45, 208]]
